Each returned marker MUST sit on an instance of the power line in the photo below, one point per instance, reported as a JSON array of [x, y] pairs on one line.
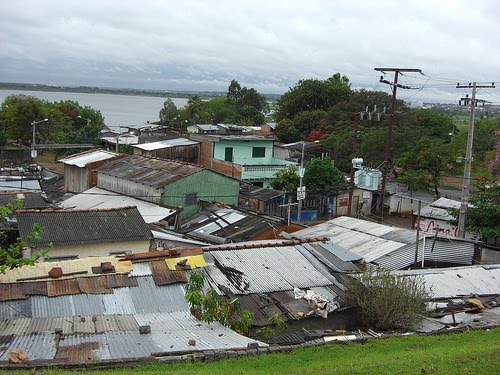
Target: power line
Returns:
[[387, 159]]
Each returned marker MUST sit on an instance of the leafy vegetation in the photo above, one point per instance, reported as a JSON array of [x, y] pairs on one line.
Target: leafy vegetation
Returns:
[[11, 250], [484, 214], [286, 179], [68, 122], [425, 143], [322, 175], [386, 300], [209, 306], [275, 324], [242, 106]]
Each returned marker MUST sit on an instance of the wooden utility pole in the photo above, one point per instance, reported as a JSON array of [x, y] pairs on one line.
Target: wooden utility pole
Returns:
[[387, 159], [468, 156]]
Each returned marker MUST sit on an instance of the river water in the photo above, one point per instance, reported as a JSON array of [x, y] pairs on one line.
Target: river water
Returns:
[[118, 110]]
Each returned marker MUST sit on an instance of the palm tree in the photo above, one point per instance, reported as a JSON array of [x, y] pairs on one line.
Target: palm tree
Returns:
[[194, 108]]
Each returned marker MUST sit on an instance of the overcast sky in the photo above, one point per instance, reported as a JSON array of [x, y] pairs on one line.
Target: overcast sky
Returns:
[[268, 45]]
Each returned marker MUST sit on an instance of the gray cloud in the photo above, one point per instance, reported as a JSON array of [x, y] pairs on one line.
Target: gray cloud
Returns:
[[267, 45]]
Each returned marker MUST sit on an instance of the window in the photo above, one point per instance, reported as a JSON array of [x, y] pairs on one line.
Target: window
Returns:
[[229, 154], [191, 199], [258, 152]]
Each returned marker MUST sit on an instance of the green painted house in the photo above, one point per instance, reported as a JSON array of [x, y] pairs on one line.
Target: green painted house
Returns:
[[167, 182], [246, 157]]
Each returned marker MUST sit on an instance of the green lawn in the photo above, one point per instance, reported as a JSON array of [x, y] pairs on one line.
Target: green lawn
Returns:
[[475, 352]]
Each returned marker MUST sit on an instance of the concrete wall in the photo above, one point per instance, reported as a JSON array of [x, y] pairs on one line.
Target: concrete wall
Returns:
[[98, 249]]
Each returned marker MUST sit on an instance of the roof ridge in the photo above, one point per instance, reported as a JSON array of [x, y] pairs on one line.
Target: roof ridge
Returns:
[[268, 244], [45, 210]]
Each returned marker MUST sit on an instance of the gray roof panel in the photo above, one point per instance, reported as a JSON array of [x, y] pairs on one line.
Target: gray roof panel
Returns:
[[262, 270], [65, 227]]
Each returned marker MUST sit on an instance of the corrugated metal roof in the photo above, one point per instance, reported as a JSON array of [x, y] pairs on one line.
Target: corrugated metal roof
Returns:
[[65, 227], [36, 346], [459, 281], [141, 269], [130, 344], [11, 292], [261, 305], [83, 159], [62, 287], [18, 184], [367, 239], [29, 199], [83, 348], [149, 171], [15, 309], [166, 298], [166, 144], [162, 275], [172, 331], [261, 270], [97, 198]]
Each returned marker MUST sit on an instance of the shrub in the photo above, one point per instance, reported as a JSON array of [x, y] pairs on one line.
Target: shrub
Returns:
[[387, 300]]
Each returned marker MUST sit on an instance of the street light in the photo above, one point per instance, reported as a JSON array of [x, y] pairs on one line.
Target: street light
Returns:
[[33, 126], [84, 118]]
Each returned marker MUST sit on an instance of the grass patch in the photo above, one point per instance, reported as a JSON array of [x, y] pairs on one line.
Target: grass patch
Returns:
[[475, 352]]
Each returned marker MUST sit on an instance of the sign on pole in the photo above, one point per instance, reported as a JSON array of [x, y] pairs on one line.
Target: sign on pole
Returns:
[[301, 193]]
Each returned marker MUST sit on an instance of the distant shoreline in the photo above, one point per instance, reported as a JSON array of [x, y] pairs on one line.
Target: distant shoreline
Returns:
[[112, 91]]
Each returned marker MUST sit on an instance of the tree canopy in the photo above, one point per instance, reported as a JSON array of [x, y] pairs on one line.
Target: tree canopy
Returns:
[[483, 215], [241, 106], [313, 94], [320, 174], [68, 121]]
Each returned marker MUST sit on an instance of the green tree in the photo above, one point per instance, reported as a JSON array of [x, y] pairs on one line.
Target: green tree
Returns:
[[286, 179], [386, 300], [209, 306], [169, 113], [87, 126], [320, 174], [425, 165], [483, 215], [194, 107], [286, 132], [313, 94], [11, 252], [234, 91], [18, 112]]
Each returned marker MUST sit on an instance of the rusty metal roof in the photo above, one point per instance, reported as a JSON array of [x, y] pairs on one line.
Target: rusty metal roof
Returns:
[[261, 305], [162, 275], [149, 171], [65, 227]]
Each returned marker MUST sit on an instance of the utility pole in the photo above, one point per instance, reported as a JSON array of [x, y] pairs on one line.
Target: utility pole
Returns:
[[387, 159], [468, 156], [354, 145], [33, 129], [301, 190]]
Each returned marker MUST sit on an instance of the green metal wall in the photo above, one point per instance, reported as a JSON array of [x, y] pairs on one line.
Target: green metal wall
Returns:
[[207, 185]]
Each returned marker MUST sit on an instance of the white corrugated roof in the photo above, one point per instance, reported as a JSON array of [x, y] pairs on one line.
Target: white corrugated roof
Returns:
[[100, 198], [459, 281], [263, 270], [165, 144], [359, 236], [82, 160]]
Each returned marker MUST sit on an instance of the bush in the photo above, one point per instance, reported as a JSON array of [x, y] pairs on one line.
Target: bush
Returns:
[[386, 300]]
